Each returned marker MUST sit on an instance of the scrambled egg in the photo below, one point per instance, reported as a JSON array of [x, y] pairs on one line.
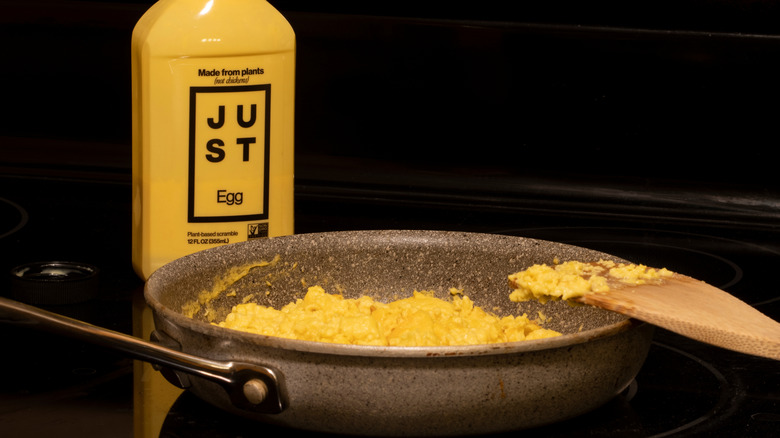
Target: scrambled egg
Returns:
[[574, 279], [420, 320]]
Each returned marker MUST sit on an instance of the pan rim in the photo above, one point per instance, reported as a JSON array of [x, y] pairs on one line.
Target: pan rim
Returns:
[[265, 341]]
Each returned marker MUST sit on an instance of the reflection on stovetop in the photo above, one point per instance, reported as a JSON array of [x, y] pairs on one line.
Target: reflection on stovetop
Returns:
[[685, 388]]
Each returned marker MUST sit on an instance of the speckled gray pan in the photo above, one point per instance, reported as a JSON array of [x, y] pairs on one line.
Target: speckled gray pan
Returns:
[[404, 391]]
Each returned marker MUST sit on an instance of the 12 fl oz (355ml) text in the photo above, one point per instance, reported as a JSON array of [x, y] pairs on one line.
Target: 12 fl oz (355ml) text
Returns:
[[209, 241]]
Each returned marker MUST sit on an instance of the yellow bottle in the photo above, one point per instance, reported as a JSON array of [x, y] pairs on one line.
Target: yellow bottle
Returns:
[[213, 112]]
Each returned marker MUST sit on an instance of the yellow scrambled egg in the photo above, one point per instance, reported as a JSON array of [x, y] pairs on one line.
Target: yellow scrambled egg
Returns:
[[574, 279], [420, 320]]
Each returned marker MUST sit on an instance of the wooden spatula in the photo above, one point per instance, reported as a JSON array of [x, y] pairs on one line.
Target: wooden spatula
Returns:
[[694, 309]]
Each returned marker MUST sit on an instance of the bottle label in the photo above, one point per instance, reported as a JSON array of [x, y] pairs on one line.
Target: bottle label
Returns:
[[228, 153], [218, 154]]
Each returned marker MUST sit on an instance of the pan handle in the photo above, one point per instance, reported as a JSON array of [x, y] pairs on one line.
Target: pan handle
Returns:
[[251, 387]]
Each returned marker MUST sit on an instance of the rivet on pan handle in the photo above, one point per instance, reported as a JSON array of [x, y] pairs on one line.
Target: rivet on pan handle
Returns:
[[251, 387]]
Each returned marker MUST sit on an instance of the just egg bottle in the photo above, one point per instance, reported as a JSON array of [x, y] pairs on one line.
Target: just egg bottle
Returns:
[[213, 87]]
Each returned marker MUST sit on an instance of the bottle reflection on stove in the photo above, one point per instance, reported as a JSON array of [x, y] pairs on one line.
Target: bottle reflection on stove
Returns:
[[153, 395], [213, 110]]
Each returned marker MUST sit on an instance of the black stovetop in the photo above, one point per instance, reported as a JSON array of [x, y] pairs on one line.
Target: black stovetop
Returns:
[[642, 129], [685, 388]]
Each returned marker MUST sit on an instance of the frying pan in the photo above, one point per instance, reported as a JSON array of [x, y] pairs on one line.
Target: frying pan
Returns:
[[374, 390]]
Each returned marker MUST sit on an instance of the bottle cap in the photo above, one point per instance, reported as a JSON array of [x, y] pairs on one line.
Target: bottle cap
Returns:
[[54, 283]]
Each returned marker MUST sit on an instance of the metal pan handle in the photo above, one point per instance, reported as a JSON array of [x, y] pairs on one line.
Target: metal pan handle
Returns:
[[251, 387]]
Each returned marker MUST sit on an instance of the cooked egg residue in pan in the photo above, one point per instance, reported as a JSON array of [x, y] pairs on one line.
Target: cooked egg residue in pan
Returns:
[[420, 320]]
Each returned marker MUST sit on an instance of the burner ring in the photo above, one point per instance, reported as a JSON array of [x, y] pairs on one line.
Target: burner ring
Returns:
[[725, 393], [18, 210]]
